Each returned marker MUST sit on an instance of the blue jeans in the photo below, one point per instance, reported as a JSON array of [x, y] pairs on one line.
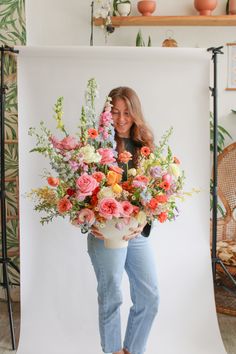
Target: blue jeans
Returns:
[[109, 264]]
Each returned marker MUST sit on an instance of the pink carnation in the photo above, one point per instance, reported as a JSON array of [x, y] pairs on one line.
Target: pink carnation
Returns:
[[86, 185], [107, 156], [108, 208], [55, 142], [69, 143], [86, 216], [127, 208]]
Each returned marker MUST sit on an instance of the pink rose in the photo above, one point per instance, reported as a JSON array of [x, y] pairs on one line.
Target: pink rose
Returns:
[[86, 216], [108, 208], [86, 185], [69, 143], [127, 208], [107, 156]]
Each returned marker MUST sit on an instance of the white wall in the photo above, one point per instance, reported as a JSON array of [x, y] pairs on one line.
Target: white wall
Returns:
[[56, 22]]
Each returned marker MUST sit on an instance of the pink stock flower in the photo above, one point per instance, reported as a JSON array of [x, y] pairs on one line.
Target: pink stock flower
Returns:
[[109, 208], [74, 165], [127, 208], [107, 156], [86, 185], [55, 142], [86, 216], [106, 118], [69, 143]]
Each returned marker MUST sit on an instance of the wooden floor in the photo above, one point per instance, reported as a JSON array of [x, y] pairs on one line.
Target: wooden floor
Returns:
[[227, 326]]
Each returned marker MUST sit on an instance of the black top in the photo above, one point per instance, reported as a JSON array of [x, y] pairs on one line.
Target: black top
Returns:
[[130, 146]]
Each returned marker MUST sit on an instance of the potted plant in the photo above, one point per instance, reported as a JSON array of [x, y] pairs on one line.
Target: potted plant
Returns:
[[121, 7]]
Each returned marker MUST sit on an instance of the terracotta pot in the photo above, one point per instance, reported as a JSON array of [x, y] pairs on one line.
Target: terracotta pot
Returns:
[[232, 7], [205, 7], [146, 7]]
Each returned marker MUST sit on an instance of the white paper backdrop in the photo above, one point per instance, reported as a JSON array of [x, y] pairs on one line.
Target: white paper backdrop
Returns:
[[58, 287]]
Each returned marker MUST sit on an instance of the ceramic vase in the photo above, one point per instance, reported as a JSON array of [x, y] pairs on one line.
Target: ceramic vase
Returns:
[[114, 235], [146, 7], [205, 7], [232, 7], [124, 9]]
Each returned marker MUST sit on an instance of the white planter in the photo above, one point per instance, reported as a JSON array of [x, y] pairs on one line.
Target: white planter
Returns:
[[124, 9], [114, 236]]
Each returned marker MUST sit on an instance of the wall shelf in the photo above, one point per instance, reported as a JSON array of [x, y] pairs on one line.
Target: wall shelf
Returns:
[[117, 21]]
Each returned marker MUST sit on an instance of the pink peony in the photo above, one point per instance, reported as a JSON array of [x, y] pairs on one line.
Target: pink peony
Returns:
[[108, 208], [167, 178], [69, 143], [127, 208], [86, 185], [86, 216], [107, 156]]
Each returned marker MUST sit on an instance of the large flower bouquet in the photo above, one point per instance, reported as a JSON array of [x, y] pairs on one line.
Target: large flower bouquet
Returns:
[[85, 183]]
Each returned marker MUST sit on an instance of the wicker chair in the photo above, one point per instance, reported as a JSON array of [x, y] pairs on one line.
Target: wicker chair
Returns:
[[226, 226]]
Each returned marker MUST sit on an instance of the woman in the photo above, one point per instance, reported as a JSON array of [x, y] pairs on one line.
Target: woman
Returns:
[[131, 132]]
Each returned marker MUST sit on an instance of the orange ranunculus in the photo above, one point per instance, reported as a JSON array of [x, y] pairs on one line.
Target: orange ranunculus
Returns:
[[153, 204], [125, 156], [116, 169], [162, 217], [176, 160], [145, 151], [161, 198], [63, 205], [113, 178], [165, 185], [93, 133], [53, 181]]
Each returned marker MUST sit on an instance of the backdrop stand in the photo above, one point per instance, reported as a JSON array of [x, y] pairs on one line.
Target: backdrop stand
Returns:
[[4, 260], [215, 260]]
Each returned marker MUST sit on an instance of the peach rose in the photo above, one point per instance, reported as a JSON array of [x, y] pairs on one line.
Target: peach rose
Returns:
[[113, 178], [116, 169], [64, 205], [53, 181], [108, 208], [125, 156]]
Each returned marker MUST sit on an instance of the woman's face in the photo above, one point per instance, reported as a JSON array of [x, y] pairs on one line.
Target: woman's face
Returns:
[[121, 117]]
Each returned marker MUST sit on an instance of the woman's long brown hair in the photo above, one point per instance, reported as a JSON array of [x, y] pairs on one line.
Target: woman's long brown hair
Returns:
[[140, 133]]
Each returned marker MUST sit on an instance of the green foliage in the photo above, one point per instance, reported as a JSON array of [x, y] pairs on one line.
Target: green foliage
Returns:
[[140, 41], [222, 134]]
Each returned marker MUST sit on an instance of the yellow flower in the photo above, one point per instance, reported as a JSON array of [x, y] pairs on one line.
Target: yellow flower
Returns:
[[113, 178], [141, 217], [174, 170], [116, 188]]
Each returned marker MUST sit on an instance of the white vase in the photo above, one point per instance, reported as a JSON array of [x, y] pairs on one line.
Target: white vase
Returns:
[[114, 236], [124, 9]]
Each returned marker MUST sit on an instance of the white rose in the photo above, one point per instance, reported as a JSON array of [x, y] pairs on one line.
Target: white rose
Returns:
[[89, 154]]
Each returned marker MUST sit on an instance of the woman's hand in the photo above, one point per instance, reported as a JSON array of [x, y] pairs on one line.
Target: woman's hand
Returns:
[[96, 233], [135, 231]]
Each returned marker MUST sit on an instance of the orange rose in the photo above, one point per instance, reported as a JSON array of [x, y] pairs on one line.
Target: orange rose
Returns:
[[113, 178], [116, 169], [145, 151], [125, 156], [53, 181]]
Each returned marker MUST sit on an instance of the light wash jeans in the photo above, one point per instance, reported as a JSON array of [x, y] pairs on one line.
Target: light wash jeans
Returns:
[[109, 264]]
